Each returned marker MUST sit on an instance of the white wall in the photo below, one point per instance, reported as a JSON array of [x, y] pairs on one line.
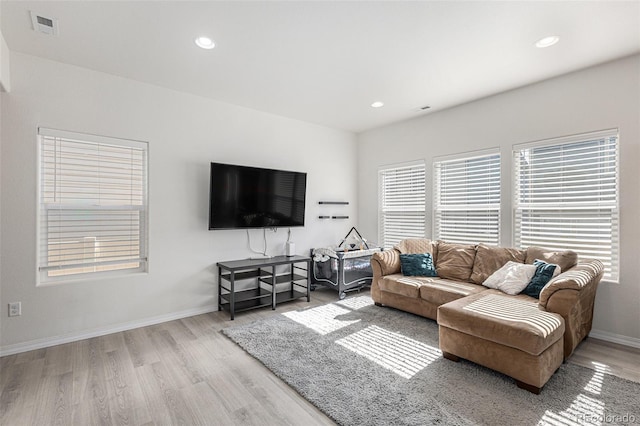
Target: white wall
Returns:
[[5, 74], [185, 134], [602, 97], [4, 87]]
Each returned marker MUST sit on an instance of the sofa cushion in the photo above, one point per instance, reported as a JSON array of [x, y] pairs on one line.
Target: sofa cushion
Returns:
[[512, 278], [544, 272], [418, 264], [440, 291], [489, 259], [565, 259], [455, 261], [514, 321], [418, 245], [405, 286]]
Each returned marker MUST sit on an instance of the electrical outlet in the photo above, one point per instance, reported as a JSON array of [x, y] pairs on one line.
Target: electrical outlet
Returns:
[[15, 309]]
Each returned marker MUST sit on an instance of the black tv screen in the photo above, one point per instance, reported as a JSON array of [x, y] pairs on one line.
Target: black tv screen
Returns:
[[252, 197]]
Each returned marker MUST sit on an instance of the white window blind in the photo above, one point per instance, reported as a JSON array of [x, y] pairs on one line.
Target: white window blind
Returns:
[[467, 199], [401, 199], [93, 204], [567, 196]]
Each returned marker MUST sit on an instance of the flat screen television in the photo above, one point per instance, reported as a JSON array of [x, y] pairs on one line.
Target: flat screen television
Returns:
[[251, 197]]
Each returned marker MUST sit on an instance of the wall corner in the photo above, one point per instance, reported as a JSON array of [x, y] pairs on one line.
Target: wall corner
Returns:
[[5, 68]]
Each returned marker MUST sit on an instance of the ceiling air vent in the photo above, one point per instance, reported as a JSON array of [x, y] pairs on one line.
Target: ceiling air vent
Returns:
[[43, 24]]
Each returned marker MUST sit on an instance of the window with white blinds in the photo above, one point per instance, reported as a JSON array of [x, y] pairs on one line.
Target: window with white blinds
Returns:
[[567, 196], [467, 199], [93, 205], [401, 200]]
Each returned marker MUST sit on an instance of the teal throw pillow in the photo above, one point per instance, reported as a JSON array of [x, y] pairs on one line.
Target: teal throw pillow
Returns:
[[418, 265], [544, 273]]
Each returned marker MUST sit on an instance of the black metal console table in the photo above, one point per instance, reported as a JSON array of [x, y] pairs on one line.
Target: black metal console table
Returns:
[[263, 271]]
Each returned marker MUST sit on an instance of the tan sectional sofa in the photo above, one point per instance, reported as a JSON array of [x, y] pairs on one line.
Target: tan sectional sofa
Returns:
[[521, 336]]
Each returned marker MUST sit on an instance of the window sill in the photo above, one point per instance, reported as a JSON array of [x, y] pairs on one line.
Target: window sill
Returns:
[[92, 278]]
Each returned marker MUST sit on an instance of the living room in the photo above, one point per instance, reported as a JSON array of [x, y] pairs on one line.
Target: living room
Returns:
[[64, 82]]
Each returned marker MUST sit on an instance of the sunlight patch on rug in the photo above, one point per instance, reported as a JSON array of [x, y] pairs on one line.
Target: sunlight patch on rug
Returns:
[[400, 354], [584, 410], [356, 303], [321, 319], [595, 384]]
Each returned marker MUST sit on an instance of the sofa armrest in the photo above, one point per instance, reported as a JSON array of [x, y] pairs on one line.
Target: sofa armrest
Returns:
[[385, 263], [571, 295], [585, 274]]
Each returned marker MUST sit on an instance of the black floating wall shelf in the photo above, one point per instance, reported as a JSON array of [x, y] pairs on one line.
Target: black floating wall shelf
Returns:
[[325, 216]]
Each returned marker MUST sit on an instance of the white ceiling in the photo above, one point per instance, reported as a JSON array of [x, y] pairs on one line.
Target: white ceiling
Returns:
[[326, 62]]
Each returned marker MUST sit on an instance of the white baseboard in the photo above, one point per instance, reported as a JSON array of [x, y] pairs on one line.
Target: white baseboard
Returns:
[[101, 331], [615, 338]]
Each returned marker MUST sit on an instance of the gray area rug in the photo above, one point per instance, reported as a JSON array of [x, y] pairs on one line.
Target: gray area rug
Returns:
[[367, 365]]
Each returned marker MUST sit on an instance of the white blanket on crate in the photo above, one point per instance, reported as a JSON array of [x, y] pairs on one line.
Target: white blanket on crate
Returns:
[[323, 254]]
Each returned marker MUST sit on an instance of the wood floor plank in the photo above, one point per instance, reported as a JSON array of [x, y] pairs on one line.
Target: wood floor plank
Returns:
[[621, 361], [63, 407], [111, 342], [59, 360], [184, 372], [31, 355], [8, 360], [158, 382], [20, 390], [140, 347], [206, 403], [170, 353], [82, 413], [201, 326], [179, 331], [100, 412], [233, 398], [153, 395], [121, 388], [81, 371], [121, 374], [12, 379], [54, 401]]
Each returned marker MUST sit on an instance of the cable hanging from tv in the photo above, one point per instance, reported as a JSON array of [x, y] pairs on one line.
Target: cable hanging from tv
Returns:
[[264, 236]]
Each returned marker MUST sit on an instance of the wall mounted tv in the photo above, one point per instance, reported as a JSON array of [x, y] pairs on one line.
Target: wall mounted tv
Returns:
[[250, 197]]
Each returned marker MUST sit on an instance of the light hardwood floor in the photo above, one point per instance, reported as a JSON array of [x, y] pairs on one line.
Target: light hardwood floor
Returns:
[[182, 372]]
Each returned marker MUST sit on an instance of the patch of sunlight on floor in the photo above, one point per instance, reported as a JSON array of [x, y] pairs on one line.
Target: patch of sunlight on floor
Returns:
[[357, 302], [595, 384], [321, 319], [400, 354], [585, 409]]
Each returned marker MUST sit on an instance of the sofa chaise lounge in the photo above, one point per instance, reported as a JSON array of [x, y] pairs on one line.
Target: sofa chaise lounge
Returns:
[[521, 336]]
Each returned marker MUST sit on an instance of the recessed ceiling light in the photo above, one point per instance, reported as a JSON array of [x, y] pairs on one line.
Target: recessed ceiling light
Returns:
[[377, 104], [205, 43], [547, 41]]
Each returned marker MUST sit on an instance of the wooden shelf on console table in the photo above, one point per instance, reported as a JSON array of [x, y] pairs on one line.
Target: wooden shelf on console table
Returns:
[[262, 271]]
